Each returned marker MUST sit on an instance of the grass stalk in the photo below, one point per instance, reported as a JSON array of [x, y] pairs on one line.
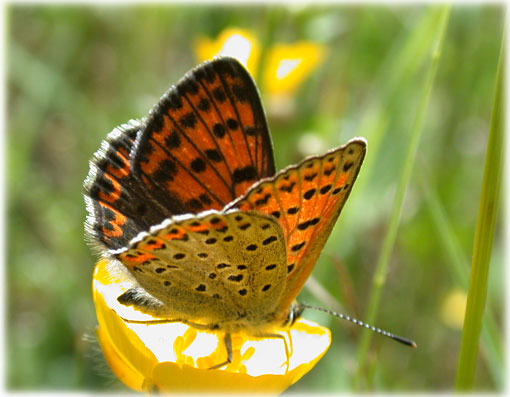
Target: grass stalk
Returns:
[[458, 265], [379, 278], [484, 235]]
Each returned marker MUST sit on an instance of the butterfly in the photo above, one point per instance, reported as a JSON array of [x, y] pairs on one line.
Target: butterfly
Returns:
[[188, 203]]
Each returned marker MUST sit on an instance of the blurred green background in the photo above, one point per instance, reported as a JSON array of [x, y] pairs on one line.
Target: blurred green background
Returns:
[[75, 72]]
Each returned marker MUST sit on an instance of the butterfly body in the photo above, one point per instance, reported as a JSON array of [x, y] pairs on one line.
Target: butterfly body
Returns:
[[188, 202]]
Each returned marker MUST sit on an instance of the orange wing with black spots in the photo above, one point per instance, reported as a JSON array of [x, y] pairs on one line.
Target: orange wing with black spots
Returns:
[[306, 199], [204, 144], [206, 141]]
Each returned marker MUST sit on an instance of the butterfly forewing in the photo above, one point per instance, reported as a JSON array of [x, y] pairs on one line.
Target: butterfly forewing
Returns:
[[212, 268], [307, 200], [206, 141]]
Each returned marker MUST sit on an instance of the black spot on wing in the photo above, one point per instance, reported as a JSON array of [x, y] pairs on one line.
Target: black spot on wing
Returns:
[[276, 214], [310, 177], [222, 265], [213, 155], [263, 200], [309, 194], [232, 124], [237, 278], [219, 130], [325, 189], [198, 165], [204, 105], [293, 210], [269, 240], [189, 120], [305, 225], [166, 171], [243, 174], [297, 247], [173, 140], [219, 95]]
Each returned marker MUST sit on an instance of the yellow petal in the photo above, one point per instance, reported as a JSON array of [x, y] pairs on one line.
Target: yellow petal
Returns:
[[174, 357], [289, 64], [238, 43]]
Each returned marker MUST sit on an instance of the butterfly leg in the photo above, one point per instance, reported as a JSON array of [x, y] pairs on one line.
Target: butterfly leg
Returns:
[[167, 321], [150, 322], [228, 346], [288, 353], [227, 339]]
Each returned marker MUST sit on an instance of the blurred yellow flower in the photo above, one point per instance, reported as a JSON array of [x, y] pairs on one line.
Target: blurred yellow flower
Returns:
[[237, 43], [286, 67], [174, 357], [453, 308]]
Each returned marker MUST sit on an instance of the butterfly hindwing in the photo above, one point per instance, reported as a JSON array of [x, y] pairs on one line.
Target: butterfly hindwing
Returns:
[[117, 204], [236, 260], [206, 141], [307, 200]]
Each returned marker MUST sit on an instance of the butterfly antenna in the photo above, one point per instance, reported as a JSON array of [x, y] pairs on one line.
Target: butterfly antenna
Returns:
[[400, 339]]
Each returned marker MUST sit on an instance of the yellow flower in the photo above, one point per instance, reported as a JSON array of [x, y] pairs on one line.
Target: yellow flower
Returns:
[[238, 43], [174, 357], [286, 67], [453, 308]]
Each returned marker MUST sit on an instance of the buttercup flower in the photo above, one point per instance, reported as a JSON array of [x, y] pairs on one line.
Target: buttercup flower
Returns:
[[286, 65], [238, 43], [174, 357]]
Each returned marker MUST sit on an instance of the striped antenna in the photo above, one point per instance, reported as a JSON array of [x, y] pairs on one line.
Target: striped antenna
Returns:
[[400, 339]]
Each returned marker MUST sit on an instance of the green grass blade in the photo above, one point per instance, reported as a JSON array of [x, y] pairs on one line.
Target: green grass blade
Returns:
[[454, 255], [404, 61], [483, 242], [379, 278]]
